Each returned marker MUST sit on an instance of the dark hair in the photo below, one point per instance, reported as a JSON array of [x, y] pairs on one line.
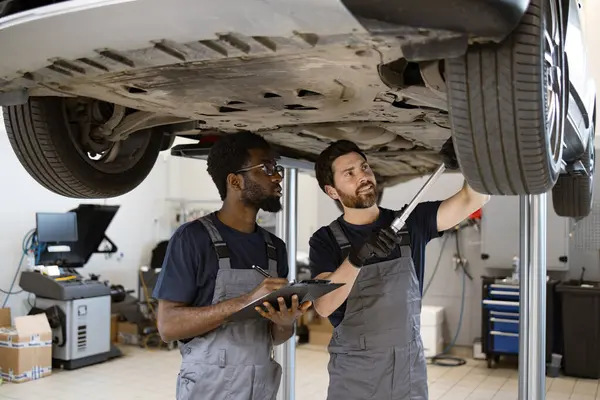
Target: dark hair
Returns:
[[323, 166], [230, 154]]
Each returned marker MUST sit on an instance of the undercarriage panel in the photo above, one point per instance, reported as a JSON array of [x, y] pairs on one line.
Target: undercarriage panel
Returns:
[[315, 79]]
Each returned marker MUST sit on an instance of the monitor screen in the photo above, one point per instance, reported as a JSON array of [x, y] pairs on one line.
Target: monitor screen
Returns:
[[56, 227]]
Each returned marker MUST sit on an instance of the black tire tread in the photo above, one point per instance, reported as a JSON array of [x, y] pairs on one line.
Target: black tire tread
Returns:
[[38, 136], [29, 135], [572, 196], [497, 113]]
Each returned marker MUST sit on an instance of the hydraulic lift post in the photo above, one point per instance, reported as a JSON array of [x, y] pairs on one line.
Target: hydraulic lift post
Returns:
[[532, 299], [287, 230]]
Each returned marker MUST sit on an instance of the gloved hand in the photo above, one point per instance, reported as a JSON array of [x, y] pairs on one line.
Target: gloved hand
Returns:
[[380, 244], [449, 155]]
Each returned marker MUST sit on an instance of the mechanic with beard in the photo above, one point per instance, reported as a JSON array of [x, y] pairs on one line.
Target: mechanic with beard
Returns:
[[376, 350], [207, 276]]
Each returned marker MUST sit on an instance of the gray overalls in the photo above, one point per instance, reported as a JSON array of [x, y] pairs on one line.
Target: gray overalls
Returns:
[[234, 361], [376, 351]]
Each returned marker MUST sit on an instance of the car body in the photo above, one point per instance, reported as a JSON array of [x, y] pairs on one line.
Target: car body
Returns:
[[128, 76]]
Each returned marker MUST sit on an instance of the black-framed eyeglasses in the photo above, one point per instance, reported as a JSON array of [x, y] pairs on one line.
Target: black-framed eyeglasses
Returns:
[[268, 168]]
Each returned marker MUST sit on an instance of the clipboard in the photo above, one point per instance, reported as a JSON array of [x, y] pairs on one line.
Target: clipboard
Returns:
[[307, 290]]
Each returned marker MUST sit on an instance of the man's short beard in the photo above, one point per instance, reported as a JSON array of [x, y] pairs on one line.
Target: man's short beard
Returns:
[[253, 196], [270, 204], [359, 201]]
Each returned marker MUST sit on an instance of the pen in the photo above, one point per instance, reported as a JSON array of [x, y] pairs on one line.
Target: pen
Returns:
[[262, 271]]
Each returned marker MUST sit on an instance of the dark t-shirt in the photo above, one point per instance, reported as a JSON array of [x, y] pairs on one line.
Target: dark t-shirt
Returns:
[[325, 254], [189, 270]]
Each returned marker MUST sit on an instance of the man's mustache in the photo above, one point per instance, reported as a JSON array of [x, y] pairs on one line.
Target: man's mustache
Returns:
[[365, 185]]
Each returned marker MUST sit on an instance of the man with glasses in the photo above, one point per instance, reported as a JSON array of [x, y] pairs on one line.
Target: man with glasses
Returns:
[[207, 276]]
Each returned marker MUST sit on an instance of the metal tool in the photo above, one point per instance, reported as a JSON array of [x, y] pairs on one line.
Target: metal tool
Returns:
[[262, 271], [399, 222]]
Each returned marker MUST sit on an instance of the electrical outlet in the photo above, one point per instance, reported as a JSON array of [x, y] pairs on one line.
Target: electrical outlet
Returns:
[[455, 261]]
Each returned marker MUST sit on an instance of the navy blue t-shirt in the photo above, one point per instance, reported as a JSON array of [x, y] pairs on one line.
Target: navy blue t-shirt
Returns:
[[325, 254], [189, 270]]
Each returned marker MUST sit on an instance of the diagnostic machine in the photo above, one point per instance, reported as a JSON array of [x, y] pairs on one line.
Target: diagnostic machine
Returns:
[[78, 308]]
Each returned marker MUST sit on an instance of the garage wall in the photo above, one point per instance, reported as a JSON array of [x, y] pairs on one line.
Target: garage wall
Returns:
[[146, 215]]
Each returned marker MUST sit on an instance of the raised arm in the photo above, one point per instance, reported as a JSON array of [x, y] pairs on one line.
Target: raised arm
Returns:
[[455, 209], [458, 207]]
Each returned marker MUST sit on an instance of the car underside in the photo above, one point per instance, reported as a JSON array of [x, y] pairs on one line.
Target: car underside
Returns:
[[297, 100], [104, 98]]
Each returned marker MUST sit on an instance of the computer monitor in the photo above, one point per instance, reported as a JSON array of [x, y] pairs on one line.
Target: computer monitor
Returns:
[[92, 221], [56, 227]]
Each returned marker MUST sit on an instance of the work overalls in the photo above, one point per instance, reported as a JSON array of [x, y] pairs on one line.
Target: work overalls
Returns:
[[234, 361], [376, 352]]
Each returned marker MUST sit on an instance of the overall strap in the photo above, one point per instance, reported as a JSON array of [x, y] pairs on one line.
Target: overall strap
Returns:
[[271, 252], [340, 238], [217, 241], [405, 237]]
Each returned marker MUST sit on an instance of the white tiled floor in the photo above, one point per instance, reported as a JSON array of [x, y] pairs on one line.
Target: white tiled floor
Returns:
[[150, 375]]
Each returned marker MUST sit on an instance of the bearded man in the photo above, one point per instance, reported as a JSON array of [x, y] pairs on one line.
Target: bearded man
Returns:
[[376, 351], [207, 276]]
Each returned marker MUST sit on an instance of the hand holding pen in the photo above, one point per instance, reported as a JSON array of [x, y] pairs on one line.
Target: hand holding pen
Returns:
[[267, 286], [285, 316]]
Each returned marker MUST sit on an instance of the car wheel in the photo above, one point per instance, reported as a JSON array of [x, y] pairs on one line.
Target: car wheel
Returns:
[[508, 106], [53, 144], [572, 196]]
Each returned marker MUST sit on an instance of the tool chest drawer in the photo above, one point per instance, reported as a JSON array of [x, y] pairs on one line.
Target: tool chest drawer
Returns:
[[501, 305], [505, 342], [504, 325], [497, 291]]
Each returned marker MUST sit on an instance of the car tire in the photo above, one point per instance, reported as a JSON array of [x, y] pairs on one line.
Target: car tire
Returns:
[[41, 137], [507, 139], [573, 195]]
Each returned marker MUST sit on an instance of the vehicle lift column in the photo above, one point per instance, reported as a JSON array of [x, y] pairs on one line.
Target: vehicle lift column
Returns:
[[532, 299], [287, 230], [532, 278]]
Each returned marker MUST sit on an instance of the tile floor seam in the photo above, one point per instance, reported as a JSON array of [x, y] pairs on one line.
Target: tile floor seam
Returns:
[[481, 383]]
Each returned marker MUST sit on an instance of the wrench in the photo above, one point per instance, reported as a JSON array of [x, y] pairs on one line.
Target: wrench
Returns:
[[399, 222]]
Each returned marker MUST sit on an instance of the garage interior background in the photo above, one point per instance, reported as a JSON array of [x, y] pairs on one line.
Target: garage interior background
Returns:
[[147, 216]]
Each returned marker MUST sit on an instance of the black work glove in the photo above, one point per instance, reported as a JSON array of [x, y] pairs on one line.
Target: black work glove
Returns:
[[449, 155], [380, 244]]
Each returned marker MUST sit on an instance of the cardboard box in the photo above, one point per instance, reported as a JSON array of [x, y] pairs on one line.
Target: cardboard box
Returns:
[[128, 333], [25, 348], [4, 321], [5, 317], [308, 316], [114, 328], [319, 331]]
